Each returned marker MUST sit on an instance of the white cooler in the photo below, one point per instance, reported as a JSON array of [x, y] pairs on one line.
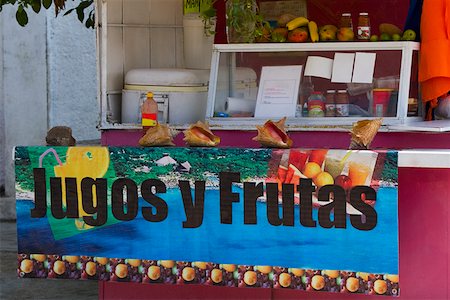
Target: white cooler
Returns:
[[181, 94]]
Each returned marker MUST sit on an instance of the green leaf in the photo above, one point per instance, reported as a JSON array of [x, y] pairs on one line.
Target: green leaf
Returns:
[[21, 16], [46, 3], [69, 11], [36, 5], [80, 14]]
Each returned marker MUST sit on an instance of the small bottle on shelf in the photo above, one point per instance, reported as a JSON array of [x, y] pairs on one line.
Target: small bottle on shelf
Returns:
[[342, 104], [363, 27], [149, 110], [330, 104], [346, 21], [316, 105]]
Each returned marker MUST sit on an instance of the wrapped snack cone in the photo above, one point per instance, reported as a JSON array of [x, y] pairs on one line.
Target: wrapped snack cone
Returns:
[[199, 135], [363, 133], [159, 135], [273, 135]]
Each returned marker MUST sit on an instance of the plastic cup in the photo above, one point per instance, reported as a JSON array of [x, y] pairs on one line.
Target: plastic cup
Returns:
[[381, 99], [334, 166]]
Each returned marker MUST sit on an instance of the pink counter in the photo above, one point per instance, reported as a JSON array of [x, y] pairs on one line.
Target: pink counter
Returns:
[[424, 220]]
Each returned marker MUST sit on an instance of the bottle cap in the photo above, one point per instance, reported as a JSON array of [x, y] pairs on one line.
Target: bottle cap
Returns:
[[346, 14], [149, 94], [363, 14], [342, 91], [331, 91]]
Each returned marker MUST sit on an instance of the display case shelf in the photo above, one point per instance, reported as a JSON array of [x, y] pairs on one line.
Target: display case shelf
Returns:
[[395, 60]]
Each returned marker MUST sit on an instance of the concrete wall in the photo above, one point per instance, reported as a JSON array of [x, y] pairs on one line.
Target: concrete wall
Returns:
[[48, 79], [72, 73]]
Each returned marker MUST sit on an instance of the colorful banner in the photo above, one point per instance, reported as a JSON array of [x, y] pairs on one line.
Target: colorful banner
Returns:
[[315, 220]]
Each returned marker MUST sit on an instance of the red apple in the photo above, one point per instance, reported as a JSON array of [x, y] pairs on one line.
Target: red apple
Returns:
[[298, 35], [344, 181]]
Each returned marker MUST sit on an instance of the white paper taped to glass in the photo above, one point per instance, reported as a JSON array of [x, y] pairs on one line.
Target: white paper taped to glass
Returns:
[[278, 91]]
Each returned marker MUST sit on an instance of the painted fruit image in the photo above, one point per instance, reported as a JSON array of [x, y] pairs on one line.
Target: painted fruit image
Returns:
[[26, 266], [344, 181], [188, 274], [298, 35], [318, 282], [352, 284], [91, 268], [311, 170], [154, 272], [216, 275], [121, 271], [285, 280], [59, 267], [250, 277]]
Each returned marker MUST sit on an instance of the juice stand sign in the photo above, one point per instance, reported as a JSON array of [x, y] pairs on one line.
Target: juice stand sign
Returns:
[[196, 215]]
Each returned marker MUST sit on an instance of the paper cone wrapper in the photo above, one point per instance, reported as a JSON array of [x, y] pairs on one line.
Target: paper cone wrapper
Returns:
[[364, 132]]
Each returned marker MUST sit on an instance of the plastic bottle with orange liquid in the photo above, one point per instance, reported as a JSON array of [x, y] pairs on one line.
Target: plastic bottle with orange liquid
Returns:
[[149, 110]]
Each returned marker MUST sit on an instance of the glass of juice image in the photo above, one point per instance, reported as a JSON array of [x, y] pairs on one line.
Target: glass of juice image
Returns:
[[334, 166], [358, 173]]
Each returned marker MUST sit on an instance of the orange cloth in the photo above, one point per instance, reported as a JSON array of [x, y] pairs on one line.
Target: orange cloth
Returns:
[[434, 64]]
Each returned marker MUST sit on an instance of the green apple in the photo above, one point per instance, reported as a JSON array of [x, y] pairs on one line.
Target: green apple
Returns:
[[409, 35], [374, 38], [385, 37], [396, 37]]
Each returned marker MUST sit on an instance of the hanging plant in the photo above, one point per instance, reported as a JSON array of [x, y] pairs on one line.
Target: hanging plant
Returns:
[[244, 23], [208, 17], [36, 5]]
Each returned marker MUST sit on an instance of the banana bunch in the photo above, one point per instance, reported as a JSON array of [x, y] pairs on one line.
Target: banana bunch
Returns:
[[297, 22], [304, 22]]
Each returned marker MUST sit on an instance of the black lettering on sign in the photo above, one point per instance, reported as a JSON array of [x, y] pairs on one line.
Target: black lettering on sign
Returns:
[[227, 197], [338, 207], [100, 208], [252, 192], [118, 205], [306, 189], [287, 195], [57, 206], [194, 211], [40, 194], [159, 204], [368, 220]]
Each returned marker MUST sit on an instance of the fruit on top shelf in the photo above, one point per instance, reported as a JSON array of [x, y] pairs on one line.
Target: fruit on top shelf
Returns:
[[284, 19], [390, 29], [345, 34], [297, 22], [409, 35], [298, 35], [279, 34], [328, 33], [313, 31]]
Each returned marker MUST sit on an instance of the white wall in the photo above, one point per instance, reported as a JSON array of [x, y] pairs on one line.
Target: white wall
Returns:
[[48, 78], [72, 85]]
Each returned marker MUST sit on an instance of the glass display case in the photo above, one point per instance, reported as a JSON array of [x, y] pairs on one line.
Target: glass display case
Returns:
[[337, 84]]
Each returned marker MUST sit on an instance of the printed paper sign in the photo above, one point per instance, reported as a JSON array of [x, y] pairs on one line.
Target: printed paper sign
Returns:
[[278, 91], [222, 217]]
